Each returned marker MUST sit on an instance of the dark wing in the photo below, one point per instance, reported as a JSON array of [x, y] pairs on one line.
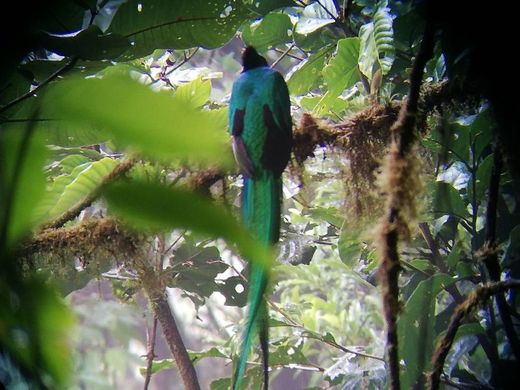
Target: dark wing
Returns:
[[239, 148], [278, 142]]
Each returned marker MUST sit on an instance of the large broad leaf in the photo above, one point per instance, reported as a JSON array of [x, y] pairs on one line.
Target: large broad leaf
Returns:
[[481, 132], [52, 132], [447, 200], [316, 15], [377, 44], [195, 269], [416, 329], [160, 208], [273, 29], [306, 75], [36, 329], [196, 92], [22, 155], [69, 190], [153, 123], [341, 71], [384, 39], [89, 44], [162, 24]]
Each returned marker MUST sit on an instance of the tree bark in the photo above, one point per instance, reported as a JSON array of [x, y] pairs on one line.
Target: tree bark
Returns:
[[157, 296]]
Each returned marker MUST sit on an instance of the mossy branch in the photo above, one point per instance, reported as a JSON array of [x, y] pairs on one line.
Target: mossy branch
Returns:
[[401, 177], [477, 297]]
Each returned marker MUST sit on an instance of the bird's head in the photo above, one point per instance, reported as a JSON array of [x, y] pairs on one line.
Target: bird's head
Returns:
[[251, 59]]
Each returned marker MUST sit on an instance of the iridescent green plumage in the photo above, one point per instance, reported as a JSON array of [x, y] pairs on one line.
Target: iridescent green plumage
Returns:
[[260, 122]]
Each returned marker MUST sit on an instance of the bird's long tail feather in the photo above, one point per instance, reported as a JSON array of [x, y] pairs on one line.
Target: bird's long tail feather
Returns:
[[261, 201]]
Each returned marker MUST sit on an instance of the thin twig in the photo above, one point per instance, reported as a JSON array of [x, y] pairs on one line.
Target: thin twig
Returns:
[[27, 95], [296, 325], [289, 54], [282, 56], [169, 23], [150, 352], [327, 11], [477, 297]]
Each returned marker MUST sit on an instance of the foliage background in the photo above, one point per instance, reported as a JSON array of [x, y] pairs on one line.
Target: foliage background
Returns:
[[123, 105]]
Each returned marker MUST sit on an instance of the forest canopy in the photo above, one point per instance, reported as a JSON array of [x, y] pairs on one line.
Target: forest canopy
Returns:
[[121, 248]]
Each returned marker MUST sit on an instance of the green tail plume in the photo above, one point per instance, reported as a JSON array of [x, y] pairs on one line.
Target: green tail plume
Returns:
[[261, 201]]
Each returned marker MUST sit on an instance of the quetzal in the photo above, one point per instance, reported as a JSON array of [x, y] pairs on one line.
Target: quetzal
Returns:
[[261, 128]]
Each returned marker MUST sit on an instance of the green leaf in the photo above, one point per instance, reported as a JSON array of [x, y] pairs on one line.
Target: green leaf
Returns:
[[348, 247], [159, 365], [196, 269], [22, 155], [384, 39], [89, 44], [481, 132], [165, 364], [221, 384], [228, 288], [264, 6], [195, 92], [447, 200], [69, 190], [482, 177], [187, 24], [469, 329], [315, 16], [307, 74], [341, 71], [152, 123], [421, 264], [161, 208], [19, 83], [453, 257], [513, 247], [416, 328], [324, 107], [330, 215], [460, 142], [286, 355], [70, 162], [377, 44], [272, 30], [36, 328], [368, 51]]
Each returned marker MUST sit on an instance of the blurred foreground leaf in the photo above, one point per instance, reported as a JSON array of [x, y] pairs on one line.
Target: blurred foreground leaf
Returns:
[[153, 123], [22, 155], [160, 208]]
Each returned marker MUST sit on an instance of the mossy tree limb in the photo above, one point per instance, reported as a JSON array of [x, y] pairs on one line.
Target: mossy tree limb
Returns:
[[400, 173]]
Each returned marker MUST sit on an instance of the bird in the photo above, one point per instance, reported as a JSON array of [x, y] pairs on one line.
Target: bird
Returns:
[[260, 124]]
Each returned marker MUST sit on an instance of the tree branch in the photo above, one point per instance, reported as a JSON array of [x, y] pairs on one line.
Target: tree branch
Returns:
[[477, 297], [490, 255], [400, 175], [157, 296], [27, 95], [150, 353]]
